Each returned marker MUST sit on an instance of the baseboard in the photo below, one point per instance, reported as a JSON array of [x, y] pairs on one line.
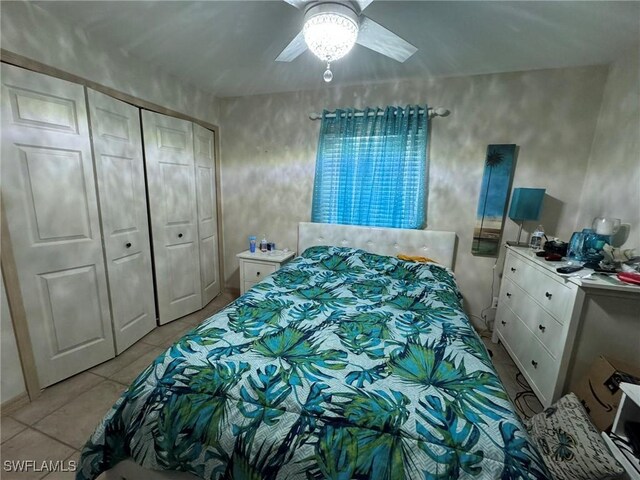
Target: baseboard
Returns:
[[14, 404], [232, 291]]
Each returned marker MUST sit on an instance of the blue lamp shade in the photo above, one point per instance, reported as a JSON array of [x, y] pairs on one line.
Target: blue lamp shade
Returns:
[[526, 203]]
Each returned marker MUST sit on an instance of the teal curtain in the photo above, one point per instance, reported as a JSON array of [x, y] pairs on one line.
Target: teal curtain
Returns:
[[372, 169]]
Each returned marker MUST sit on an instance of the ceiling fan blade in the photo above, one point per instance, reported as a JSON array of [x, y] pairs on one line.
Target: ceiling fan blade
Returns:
[[297, 3], [362, 4], [374, 36], [292, 51]]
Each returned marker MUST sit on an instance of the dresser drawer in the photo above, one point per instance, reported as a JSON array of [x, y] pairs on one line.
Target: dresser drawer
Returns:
[[256, 271], [515, 269], [541, 368], [551, 334], [538, 321], [552, 295], [506, 323]]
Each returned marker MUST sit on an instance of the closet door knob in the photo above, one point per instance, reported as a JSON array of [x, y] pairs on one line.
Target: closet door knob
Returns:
[[513, 269], [508, 295], [542, 328], [128, 244], [548, 295], [179, 235], [534, 363]]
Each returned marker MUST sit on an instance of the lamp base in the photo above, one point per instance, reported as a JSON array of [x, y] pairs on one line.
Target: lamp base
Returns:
[[518, 243]]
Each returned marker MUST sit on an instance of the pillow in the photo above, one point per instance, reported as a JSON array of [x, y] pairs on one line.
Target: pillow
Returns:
[[570, 445]]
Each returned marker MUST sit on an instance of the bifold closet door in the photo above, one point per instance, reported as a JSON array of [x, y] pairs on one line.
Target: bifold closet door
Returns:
[[117, 152], [49, 196], [203, 147], [169, 160]]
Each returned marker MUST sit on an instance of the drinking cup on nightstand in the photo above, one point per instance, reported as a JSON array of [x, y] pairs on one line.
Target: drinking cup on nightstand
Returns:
[[252, 244]]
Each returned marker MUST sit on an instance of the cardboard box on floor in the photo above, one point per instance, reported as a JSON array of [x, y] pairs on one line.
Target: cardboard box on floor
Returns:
[[600, 391]]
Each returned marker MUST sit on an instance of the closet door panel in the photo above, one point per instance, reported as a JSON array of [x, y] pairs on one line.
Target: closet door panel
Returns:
[[169, 160], [207, 213], [48, 190], [117, 147]]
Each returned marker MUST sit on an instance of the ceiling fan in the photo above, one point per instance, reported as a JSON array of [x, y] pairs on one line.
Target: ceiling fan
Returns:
[[331, 28]]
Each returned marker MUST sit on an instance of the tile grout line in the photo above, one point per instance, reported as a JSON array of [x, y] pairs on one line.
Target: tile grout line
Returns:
[[103, 379], [33, 427], [18, 433], [30, 427]]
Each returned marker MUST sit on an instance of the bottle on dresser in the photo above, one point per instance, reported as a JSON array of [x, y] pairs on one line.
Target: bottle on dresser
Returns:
[[537, 237]]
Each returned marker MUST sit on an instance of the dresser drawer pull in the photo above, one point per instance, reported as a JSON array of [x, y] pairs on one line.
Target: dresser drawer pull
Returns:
[[257, 274], [534, 363], [542, 328], [548, 295], [508, 295], [513, 269], [503, 322]]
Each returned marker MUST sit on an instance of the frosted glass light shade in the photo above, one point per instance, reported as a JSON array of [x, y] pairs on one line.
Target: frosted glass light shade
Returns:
[[330, 35]]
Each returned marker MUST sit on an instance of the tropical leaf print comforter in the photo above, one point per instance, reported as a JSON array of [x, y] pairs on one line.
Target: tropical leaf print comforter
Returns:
[[343, 364]]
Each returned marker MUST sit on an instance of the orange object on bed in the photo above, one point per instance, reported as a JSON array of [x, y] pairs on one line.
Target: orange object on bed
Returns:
[[413, 258]]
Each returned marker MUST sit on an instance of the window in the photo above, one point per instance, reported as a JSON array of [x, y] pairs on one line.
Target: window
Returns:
[[371, 168]]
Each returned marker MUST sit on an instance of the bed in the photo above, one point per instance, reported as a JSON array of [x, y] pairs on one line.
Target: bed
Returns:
[[343, 364]]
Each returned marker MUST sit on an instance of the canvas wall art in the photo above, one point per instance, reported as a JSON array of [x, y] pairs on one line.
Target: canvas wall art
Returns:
[[494, 196]]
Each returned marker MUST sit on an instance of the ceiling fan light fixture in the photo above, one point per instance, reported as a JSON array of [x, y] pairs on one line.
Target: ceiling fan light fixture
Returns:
[[330, 34]]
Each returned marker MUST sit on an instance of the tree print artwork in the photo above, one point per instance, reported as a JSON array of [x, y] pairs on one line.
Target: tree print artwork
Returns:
[[494, 197]]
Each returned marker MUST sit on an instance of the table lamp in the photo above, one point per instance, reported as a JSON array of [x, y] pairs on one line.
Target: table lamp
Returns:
[[526, 204]]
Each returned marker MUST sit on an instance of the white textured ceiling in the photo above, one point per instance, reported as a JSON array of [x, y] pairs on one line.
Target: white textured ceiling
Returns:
[[228, 48]]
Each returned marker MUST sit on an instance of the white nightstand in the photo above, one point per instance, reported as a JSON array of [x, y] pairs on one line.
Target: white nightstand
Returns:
[[628, 410], [255, 267]]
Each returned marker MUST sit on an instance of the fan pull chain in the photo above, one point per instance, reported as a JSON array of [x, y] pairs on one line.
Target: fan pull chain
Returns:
[[328, 74]]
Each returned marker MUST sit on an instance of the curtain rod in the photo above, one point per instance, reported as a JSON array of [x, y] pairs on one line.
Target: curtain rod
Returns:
[[432, 112]]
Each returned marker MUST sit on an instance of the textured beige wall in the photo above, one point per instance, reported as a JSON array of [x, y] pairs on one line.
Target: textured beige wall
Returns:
[[32, 32], [612, 184], [268, 155]]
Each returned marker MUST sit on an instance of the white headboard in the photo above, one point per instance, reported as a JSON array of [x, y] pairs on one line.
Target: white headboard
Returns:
[[439, 246]]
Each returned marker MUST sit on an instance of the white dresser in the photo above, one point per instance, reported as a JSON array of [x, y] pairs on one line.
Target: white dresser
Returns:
[[541, 314], [255, 267]]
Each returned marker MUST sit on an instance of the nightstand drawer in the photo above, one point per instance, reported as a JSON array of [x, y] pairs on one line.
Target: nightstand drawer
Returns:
[[256, 271], [256, 266], [249, 285]]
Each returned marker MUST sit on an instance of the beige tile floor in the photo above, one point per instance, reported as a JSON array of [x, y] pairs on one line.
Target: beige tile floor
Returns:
[[56, 425], [527, 404]]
